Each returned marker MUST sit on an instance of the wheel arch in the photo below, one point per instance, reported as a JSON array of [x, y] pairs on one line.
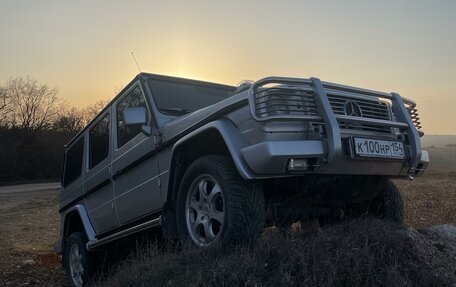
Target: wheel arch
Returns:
[[219, 137], [77, 219]]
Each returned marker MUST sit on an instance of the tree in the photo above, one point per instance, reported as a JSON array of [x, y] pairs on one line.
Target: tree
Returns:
[[92, 111], [34, 105], [34, 126], [5, 106], [69, 121]]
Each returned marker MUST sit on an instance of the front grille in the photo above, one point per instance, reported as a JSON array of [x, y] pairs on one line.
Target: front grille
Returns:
[[368, 108], [355, 109], [279, 101]]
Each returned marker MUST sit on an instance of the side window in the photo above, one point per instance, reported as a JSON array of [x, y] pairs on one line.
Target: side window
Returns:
[[133, 100], [73, 162], [99, 141]]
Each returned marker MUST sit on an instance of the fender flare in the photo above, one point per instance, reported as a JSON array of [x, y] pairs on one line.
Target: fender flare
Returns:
[[234, 142], [231, 136], [84, 216]]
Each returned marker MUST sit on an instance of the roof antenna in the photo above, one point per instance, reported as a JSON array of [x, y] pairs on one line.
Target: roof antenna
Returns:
[[134, 58]]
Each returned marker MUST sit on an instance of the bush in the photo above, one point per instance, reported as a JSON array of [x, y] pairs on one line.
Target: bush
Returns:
[[31, 156]]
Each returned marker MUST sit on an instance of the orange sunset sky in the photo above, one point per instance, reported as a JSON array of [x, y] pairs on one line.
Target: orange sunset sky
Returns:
[[83, 47]]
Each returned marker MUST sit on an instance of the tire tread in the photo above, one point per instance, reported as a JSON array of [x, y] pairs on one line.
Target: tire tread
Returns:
[[245, 201]]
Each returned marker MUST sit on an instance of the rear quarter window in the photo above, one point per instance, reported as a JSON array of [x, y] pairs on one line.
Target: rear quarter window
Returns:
[[73, 162], [99, 142]]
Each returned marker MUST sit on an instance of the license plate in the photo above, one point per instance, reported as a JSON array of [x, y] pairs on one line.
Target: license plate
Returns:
[[378, 148]]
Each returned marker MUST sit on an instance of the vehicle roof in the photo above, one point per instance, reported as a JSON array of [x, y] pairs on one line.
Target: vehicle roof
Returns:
[[145, 76]]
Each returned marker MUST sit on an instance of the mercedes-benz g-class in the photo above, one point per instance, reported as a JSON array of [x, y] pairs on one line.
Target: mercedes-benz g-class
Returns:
[[215, 163]]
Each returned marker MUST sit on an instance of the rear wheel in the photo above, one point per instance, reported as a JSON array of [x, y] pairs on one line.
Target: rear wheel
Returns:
[[215, 204], [78, 262]]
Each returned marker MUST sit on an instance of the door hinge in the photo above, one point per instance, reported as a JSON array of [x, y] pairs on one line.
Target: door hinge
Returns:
[[158, 139]]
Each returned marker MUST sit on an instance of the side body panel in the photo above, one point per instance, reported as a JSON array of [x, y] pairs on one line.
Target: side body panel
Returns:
[[135, 174]]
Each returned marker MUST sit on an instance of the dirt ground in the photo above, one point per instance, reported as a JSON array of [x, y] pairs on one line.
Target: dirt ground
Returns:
[[29, 225], [430, 200]]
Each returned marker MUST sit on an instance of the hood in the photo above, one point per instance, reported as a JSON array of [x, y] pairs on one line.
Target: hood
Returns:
[[196, 119]]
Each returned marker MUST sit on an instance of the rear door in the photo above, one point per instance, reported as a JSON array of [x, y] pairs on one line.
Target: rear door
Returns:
[[98, 185], [135, 164]]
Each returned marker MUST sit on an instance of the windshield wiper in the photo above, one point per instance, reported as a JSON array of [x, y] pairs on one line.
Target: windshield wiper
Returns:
[[175, 111]]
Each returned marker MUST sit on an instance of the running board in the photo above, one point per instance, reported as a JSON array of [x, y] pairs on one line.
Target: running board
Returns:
[[91, 245]]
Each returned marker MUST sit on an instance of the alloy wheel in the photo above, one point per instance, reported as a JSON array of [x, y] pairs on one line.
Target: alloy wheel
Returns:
[[205, 210]]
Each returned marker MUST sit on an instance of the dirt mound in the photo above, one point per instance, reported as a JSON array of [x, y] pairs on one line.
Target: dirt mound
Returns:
[[359, 253]]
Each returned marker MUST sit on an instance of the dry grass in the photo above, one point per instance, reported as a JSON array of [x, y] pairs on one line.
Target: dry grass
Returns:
[[359, 253], [431, 199], [354, 254], [29, 225]]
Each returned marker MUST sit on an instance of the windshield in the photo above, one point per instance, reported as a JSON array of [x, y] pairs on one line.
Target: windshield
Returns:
[[185, 96]]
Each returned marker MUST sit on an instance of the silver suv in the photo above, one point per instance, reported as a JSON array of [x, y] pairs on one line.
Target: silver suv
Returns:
[[210, 163]]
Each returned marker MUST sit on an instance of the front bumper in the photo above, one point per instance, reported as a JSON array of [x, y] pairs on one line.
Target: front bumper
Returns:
[[272, 158], [329, 155]]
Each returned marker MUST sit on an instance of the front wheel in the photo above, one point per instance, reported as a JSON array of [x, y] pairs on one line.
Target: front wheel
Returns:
[[215, 204], [388, 205]]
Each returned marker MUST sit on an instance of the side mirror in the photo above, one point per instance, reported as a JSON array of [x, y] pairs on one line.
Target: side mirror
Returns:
[[137, 116]]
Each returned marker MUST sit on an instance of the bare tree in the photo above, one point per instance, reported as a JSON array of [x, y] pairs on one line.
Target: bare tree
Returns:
[[5, 105], [35, 105], [71, 121], [92, 111]]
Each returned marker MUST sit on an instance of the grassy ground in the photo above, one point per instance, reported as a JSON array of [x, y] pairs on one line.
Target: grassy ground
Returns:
[[358, 253], [29, 225]]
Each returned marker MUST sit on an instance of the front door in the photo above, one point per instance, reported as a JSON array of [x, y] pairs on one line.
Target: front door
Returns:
[[135, 165]]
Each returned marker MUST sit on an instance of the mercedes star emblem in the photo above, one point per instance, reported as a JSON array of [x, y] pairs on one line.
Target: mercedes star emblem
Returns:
[[353, 109]]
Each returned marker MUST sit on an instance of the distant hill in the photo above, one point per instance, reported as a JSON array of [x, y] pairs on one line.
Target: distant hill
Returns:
[[438, 140], [442, 150]]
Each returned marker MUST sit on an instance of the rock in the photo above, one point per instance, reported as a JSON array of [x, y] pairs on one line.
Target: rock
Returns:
[[29, 262]]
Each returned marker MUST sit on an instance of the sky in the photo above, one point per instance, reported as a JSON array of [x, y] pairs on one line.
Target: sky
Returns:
[[83, 47]]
